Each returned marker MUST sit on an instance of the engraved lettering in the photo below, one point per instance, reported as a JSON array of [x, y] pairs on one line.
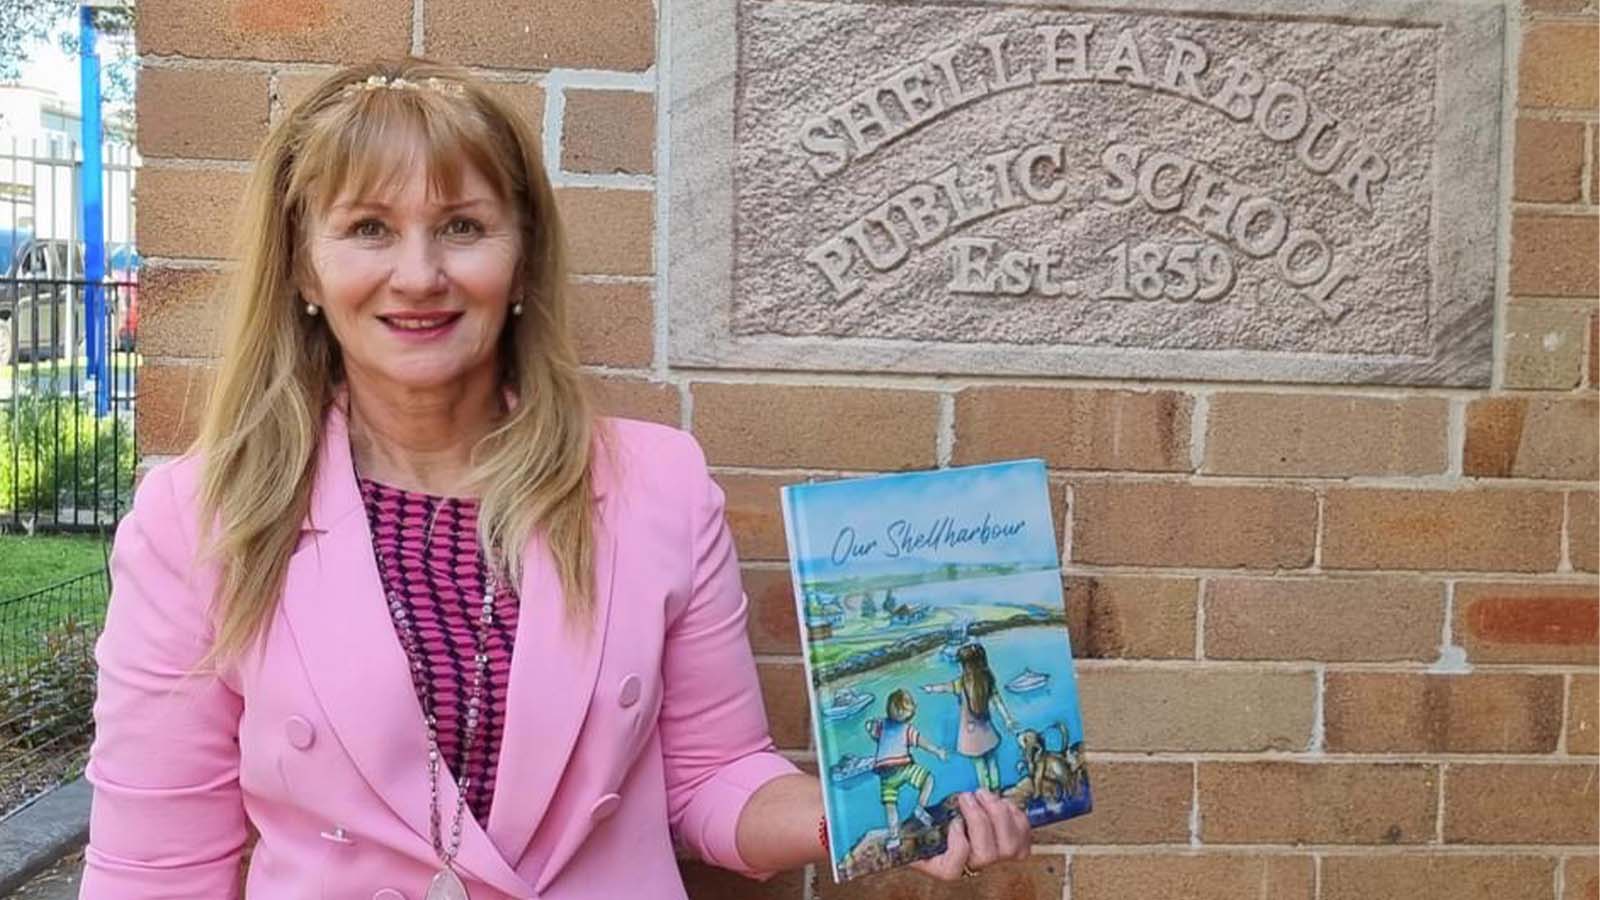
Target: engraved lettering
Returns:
[[818, 138], [920, 205], [1015, 272], [880, 258], [1292, 262], [1253, 237], [1152, 170], [965, 211], [1282, 111], [1362, 169], [999, 166], [860, 129], [1236, 97], [1000, 81], [1185, 64], [1321, 125], [1028, 163], [1212, 204], [910, 91], [833, 258], [1119, 161], [1124, 64], [944, 61], [1075, 55], [970, 255]]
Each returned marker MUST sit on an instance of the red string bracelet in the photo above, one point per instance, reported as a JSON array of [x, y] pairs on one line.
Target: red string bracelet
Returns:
[[822, 833]]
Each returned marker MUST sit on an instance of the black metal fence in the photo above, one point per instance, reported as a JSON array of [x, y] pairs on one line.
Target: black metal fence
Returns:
[[47, 683], [67, 441]]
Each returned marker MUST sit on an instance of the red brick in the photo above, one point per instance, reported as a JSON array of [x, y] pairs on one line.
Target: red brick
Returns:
[[755, 514], [1381, 712], [336, 31], [773, 626], [1554, 256], [187, 212], [635, 398], [1540, 437], [1318, 803], [179, 312], [1133, 616], [1583, 530], [1074, 428], [1040, 877], [1520, 804], [1485, 529], [613, 323], [785, 426], [608, 132], [1527, 622], [1560, 66], [1594, 320], [1437, 876], [1334, 620], [1549, 167], [235, 119], [1210, 876], [1176, 524], [608, 232], [171, 403], [703, 882], [1199, 708], [1322, 434], [1554, 6], [550, 34], [1583, 716], [1134, 803], [783, 688], [1582, 878]]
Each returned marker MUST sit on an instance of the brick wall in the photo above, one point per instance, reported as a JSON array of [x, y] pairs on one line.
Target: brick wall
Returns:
[[1337, 642]]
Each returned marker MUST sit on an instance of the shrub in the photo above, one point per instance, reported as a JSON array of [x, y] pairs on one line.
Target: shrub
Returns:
[[48, 455]]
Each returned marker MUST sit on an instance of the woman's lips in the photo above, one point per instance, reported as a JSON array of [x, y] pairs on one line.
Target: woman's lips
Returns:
[[420, 326]]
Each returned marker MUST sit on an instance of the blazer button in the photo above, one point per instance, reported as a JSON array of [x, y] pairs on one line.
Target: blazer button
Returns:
[[628, 693], [299, 731], [604, 807], [388, 894]]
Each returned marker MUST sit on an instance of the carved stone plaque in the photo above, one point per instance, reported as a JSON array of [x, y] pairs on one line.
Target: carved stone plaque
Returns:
[[1243, 191]]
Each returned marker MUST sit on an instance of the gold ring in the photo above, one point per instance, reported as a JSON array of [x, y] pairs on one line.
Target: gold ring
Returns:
[[966, 872]]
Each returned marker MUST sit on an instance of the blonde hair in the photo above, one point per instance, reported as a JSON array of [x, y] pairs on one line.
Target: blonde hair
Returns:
[[260, 437]]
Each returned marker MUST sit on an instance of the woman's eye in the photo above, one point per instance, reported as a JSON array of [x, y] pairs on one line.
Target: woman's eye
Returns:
[[463, 228], [368, 228]]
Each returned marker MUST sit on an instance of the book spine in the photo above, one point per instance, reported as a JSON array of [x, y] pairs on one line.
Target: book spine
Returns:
[[799, 547]]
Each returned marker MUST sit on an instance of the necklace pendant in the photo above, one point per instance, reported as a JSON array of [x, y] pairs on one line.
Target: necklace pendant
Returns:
[[446, 886]]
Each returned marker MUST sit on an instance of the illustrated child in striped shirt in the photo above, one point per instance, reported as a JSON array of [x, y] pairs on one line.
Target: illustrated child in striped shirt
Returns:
[[895, 767]]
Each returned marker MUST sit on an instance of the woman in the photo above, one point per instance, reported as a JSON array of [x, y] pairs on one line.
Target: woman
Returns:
[[407, 609], [979, 699]]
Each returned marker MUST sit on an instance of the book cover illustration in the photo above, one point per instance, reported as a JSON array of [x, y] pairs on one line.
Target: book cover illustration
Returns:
[[937, 653]]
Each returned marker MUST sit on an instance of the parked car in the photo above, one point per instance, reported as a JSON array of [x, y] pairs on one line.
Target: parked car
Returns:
[[35, 290]]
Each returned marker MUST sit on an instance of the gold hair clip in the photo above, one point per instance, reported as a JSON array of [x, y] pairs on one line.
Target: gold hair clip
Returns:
[[401, 83]]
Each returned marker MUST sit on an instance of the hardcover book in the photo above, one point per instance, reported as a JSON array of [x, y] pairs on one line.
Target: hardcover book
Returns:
[[937, 653]]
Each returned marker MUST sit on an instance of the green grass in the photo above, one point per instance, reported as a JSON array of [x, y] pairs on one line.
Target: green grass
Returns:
[[28, 564]]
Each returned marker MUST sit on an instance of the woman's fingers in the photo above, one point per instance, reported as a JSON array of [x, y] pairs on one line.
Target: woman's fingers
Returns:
[[1012, 836], [980, 830], [949, 865]]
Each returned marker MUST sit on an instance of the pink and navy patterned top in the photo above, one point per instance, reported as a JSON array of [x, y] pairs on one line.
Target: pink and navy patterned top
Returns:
[[441, 589]]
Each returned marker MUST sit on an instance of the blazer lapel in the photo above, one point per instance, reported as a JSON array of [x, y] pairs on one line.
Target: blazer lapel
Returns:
[[553, 673], [335, 606]]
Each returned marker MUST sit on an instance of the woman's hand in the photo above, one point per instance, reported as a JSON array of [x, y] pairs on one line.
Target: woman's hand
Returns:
[[989, 829]]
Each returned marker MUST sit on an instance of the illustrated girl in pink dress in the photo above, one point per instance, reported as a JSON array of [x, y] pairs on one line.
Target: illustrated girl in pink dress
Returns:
[[980, 697]]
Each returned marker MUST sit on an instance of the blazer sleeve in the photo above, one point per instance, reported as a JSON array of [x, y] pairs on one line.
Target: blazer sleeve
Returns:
[[714, 736], [167, 821]]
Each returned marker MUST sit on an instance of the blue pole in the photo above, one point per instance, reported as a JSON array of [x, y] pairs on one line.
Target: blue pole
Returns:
[[94, 238]]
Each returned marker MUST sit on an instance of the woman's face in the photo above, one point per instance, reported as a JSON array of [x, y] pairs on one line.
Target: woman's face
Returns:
[[416, 287]]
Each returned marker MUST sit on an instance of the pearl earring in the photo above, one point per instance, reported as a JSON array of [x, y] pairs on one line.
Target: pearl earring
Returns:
[[312, 309], [516, 308]]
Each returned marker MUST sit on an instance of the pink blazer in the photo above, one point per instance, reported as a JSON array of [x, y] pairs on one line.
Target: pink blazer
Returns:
[[650, 729]]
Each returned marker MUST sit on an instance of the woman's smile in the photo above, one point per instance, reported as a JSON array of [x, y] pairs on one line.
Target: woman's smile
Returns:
[[421, 326]]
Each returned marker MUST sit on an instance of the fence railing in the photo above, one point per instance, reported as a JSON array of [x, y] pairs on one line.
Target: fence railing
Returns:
[[67, 441], [47, 685]]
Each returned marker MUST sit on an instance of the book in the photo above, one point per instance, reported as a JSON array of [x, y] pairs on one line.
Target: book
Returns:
[[937, 654]]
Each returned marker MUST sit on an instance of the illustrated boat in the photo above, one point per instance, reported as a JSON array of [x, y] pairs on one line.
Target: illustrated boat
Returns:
[[1028, 682], [954, 639], [846, 703], [849, 768]]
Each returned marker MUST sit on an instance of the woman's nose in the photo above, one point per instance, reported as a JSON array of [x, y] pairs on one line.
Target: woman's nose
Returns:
[[418, 265]]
